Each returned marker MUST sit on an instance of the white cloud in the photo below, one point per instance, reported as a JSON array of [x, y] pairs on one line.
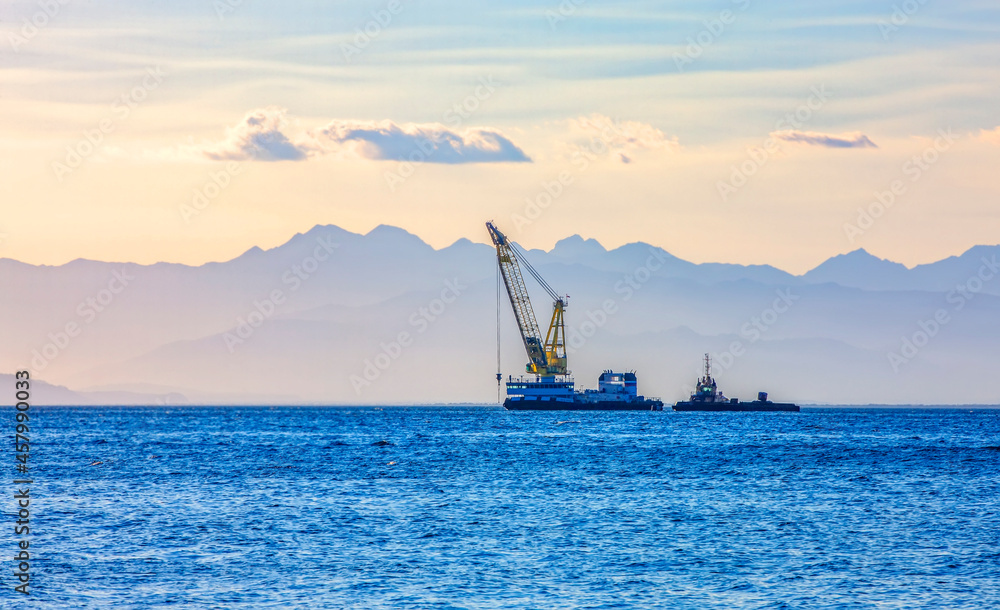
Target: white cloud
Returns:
[[595, 133], [814, 138], [258, 136], [427, 142]]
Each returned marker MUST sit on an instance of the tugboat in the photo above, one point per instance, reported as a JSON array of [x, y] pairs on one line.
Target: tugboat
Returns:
[[707, 397]]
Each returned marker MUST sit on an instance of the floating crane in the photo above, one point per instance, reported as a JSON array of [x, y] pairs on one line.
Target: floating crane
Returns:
[[547, 358], [551, 388]]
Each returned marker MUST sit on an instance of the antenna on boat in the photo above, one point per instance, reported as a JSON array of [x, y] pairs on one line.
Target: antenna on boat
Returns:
[[708, 366]]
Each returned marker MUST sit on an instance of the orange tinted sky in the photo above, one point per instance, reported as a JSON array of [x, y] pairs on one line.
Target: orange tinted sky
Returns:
[[739, 133]]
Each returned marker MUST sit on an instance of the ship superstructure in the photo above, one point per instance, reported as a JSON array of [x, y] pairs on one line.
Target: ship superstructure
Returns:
[[706, 390]]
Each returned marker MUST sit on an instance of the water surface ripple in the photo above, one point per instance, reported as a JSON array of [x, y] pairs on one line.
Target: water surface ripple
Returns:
[[483, 508]]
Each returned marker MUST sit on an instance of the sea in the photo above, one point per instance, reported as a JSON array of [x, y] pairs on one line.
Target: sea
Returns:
[[478, 507]]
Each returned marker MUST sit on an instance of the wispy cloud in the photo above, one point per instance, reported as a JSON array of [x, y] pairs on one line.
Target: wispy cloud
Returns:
[[258, 136], [623, 139], [814, 138], [427, 142], [991, 136]]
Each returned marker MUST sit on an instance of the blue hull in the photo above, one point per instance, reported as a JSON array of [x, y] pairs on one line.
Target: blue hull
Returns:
[[565, 405], [739, 407]]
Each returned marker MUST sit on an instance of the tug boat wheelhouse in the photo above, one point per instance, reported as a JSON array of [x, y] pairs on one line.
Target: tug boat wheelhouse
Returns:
[[707, 397]]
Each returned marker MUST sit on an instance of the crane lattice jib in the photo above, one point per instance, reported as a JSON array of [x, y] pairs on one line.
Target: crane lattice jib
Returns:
[[518, 293], [548, 358]]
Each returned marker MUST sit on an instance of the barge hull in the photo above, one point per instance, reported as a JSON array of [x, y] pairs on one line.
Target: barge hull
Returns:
[[606, 405], [750, 407]]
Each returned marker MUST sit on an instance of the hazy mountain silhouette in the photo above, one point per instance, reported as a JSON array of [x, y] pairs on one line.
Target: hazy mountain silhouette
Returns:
[[308, 320], [860, 269]]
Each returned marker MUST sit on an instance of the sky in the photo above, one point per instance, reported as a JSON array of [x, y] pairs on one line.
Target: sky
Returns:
[[777, 133]]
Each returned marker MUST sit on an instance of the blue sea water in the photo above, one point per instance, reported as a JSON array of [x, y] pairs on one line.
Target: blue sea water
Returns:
[[484, 508]]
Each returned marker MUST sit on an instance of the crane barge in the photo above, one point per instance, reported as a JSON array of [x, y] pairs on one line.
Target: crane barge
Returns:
[[548, 385]]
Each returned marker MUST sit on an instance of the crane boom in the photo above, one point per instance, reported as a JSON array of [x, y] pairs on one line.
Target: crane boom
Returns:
[[546, 358]]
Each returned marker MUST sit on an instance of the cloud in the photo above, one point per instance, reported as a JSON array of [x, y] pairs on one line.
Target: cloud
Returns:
[[595, 133], [427, 142], [846, 140], [258, 136], [990, 136]]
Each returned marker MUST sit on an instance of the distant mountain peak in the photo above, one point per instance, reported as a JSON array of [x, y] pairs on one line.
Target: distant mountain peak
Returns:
[[641, 246], [859, 269], [981, 250], [575, 245], [394, 237], [328, 229], [389, 231], [253, 252], [861, 256], [465, 243], [297, 241]]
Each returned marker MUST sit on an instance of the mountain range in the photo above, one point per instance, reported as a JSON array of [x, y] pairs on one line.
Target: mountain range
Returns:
[[334, 317]]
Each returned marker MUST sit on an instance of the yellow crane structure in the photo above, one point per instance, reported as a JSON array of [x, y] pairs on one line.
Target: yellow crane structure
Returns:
[[545, 358]]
